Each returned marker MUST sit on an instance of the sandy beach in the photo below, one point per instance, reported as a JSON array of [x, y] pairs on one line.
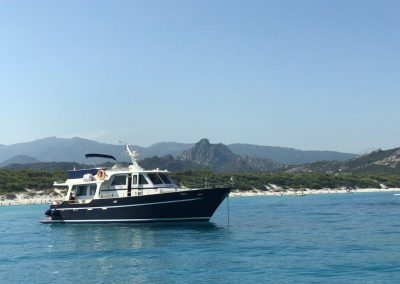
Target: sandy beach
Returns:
[[32, 197], [39, 197]]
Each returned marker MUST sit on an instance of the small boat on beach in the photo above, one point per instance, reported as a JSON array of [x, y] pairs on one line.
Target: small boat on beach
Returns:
[[128, 193]]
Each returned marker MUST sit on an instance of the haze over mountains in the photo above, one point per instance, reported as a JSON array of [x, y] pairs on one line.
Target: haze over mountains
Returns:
[[54, 149], [63, 154]]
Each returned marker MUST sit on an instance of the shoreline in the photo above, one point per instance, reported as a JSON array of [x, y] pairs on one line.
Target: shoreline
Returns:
[[307, 191], [41, 199]]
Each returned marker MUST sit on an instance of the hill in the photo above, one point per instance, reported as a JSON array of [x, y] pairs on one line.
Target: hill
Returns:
[[379, 161], [288, 156], [20, 159]]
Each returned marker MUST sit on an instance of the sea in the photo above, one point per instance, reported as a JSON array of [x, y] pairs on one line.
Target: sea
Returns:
[[327, 238]]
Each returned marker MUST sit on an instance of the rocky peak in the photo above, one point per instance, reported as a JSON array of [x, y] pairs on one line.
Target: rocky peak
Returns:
[[207, 154], [219, 157], [391, 161]]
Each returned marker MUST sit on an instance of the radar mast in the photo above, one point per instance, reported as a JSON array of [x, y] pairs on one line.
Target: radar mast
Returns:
[[133, 155]]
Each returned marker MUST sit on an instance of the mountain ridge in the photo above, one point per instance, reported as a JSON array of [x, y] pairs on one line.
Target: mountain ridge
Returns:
[[219, 158], [286, 155], [378, 161], [53, 149]]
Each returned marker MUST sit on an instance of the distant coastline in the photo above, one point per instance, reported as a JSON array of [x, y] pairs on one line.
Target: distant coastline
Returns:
[[296, 192], [37, 199]]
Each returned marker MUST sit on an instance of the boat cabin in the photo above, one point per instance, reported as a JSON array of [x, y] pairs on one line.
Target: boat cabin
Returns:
[[99, 183]]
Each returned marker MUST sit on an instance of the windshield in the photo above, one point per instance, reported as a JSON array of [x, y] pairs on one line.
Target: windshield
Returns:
[[155, 179], [165, 178]]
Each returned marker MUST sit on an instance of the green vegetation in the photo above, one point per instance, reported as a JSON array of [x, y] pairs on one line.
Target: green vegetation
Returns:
[[14, 181], [249, 181]]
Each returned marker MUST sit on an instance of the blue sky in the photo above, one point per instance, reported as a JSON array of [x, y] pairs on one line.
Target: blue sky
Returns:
[[321, 75]]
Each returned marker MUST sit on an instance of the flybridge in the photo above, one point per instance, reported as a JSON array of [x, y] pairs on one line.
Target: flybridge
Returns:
[[76, 174]]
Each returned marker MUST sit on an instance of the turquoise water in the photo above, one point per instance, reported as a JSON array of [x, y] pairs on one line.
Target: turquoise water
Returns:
[[343, 238]]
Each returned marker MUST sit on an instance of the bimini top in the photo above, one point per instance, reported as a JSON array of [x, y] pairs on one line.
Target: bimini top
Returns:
[[100, 156]]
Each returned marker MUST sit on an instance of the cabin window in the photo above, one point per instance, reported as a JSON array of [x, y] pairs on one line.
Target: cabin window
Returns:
[[92, 189], [165, 178], [155, 179], [119, 180], [85, 190], [142, 180], [81, 190], [134, 180]]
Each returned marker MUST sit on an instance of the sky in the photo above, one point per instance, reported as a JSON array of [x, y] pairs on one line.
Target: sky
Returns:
[[311, 75]]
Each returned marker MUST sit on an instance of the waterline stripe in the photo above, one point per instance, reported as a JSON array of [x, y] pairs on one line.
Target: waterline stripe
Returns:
[[125, 220], [129, 205]]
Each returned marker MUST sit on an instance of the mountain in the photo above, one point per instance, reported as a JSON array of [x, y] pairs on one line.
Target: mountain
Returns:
[[206, 154], [288, 156], [19, 159], [215, 157], [219, 157], [165, 148], [379, 161], [168, 162], [47, 166], [54, 149], [203, 155]]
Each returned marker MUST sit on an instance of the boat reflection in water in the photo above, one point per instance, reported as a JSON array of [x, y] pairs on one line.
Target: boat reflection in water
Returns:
[[133, 248]]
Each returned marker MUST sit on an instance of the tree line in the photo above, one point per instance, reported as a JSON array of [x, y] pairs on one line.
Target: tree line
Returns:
[[14, 181]]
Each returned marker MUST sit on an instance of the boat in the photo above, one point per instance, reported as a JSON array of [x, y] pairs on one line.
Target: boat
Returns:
[[128, 193]]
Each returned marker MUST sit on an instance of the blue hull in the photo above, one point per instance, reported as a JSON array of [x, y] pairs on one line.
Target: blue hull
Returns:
[[191, 205]]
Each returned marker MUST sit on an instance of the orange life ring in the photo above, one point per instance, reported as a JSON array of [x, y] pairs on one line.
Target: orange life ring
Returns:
[[101, 174]]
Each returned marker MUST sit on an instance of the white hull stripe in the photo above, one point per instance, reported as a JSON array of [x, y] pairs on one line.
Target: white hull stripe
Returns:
[[125, 220], [128, 205]]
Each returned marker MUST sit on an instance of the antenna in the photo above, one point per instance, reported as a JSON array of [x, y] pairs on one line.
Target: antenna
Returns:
[[133, 155]]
